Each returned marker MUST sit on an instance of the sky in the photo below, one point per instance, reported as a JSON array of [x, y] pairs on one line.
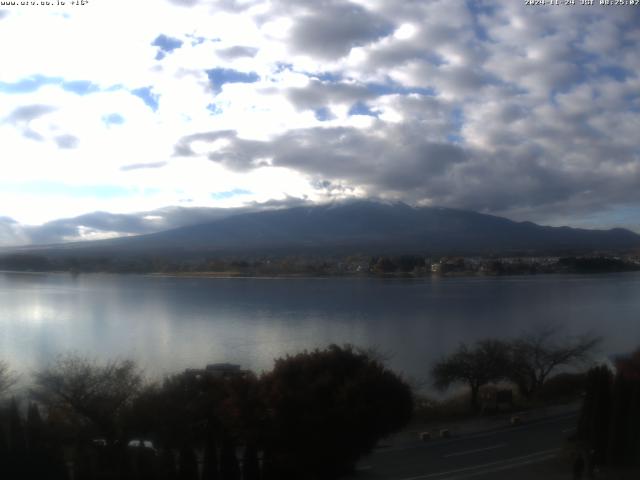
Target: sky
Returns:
[[121, 117]]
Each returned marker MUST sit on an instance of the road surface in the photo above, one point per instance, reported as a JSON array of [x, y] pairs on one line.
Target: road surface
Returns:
[[480, 455]]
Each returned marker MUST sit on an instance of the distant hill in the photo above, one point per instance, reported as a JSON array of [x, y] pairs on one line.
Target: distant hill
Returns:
[[357, 227]]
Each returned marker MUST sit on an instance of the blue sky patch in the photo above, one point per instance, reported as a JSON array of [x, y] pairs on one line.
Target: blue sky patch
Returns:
[[477, 9], [35, 82], [327, 77], [360, 108], [29, 84], [165, 45], [229, 194], [197, 40], [457, 120], [617, 73], [113, 119], [80, 87], [219, 76], [42, 188], [394, 88], [149, 98], [215, 109], [323, 114], [282, 67]]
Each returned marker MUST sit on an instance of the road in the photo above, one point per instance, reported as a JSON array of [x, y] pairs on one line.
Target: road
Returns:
[[480, 455]]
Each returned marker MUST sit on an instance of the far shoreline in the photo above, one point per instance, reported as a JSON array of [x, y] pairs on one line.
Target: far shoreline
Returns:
[[328, 276]]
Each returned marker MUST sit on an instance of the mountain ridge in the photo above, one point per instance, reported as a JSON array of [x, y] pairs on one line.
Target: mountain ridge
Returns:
[[362, 226]]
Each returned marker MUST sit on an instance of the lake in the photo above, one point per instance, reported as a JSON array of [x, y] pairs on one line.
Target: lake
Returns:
[[171, 323]]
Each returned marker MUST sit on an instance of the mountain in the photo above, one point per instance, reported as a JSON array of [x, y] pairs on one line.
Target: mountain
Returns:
[[358, 227]]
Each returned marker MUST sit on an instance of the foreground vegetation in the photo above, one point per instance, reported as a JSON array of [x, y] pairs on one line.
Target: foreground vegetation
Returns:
[[609, 426], [607, 436], [312, 417], [526, 362]]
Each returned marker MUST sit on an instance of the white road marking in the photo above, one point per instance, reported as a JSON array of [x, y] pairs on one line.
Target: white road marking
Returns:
[[502, 468], [505, 429], [467, 452], [498, 465]]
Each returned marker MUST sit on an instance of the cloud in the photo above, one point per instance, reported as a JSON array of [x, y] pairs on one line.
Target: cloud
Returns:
[[139, 166], [492, 106], [96, 225], [330, 29], [22, 117], [318, 94], [185, 3], [384, 161], [183, 147], [66, 141], [28, 113], [237, 51], [11, 232], [227, 5]]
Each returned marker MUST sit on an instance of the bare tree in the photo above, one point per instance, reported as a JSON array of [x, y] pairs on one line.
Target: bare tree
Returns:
[[536, 355], [94, 393], [483, 363]]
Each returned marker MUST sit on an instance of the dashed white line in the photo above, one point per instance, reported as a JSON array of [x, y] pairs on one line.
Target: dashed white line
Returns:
[[491, 466], [467, 452], [506, 429]]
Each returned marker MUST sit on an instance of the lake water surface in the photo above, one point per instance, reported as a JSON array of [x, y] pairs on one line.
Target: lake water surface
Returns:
[[171, 323]]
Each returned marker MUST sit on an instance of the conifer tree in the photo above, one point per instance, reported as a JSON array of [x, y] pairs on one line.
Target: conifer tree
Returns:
[[210, 461], [187, 463], [17, 437]]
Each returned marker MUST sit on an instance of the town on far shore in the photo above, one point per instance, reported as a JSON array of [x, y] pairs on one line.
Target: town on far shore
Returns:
[[281, 264]]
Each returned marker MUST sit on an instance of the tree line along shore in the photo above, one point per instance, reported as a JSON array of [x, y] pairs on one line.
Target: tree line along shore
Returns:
[[330, 265]]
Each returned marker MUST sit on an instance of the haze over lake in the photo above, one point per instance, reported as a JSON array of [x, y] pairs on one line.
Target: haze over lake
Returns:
[[172, 323]]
